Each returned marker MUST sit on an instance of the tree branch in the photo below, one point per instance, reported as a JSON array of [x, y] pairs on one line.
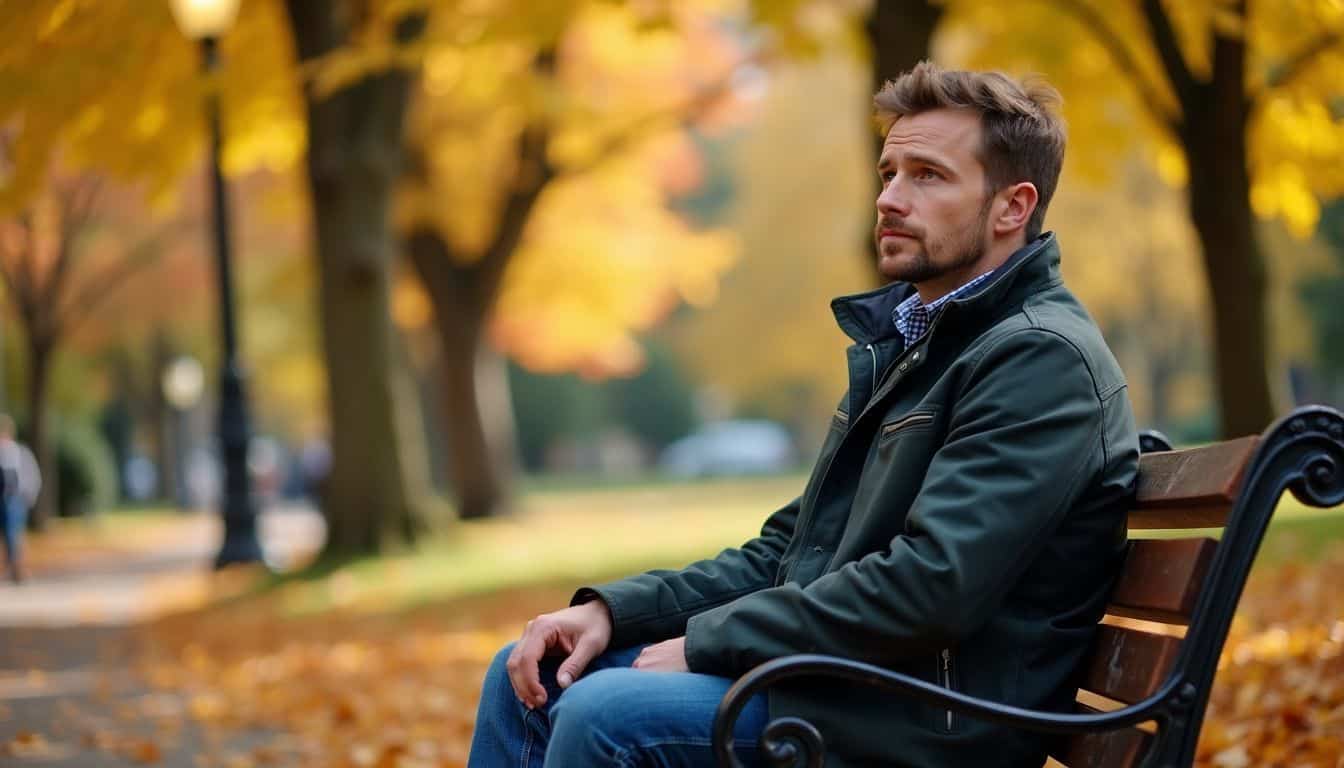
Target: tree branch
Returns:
[[74, 312], [1293, 67], [10, 280], [1166, 114], [535, 172], [75, 207], [1169, 51], [19, 279]]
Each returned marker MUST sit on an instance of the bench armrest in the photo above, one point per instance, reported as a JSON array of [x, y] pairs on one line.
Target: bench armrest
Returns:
[[775, 739]]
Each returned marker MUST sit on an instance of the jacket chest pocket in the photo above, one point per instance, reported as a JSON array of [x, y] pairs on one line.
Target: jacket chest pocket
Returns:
[[898, 457], [918, 420]]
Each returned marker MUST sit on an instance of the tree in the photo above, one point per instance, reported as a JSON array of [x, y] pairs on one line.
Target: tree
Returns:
[[54, 287], [377, 490], [1244, 97], [531, 118], [110, 83]]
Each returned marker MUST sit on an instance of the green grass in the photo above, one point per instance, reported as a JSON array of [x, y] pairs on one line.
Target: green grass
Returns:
[[1296, 533], [575, 536], [586, 536]]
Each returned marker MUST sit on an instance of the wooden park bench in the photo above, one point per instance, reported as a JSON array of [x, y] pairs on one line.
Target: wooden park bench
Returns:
[[1183, 592]]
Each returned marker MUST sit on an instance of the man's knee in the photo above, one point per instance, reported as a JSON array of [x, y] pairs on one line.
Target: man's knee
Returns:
[[603, 701], [497, 674], [499, 664]]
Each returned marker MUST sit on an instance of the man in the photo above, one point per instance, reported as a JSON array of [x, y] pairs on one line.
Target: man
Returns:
[[19, 485], [963, 523]]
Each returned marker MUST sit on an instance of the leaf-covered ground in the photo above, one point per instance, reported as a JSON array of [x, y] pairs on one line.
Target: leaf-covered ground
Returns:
[[337, 671]]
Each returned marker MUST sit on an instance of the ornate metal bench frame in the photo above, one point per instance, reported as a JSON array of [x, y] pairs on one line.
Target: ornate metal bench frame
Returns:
[[1302, 453]]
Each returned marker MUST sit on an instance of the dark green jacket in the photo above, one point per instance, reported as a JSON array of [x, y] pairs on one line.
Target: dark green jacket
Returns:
[[963, 524]]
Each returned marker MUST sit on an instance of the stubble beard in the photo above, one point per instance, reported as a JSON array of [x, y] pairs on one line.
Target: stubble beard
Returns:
[[953, 251]]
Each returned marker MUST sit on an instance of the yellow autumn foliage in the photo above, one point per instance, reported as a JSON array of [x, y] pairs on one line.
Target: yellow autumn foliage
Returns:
[[1296, 149], [602, 258]]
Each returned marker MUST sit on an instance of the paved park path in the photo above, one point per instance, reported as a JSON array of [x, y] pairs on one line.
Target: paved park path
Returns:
[[67, 636]]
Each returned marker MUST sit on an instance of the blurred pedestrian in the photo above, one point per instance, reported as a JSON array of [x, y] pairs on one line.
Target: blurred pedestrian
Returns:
[[20, 482]]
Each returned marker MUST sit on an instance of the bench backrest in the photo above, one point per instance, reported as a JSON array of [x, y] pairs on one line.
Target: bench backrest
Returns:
[[1156, 593], [1155, 655], [1174, 599]]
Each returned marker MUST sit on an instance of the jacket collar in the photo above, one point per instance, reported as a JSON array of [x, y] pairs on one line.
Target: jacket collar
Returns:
[[866, 317]]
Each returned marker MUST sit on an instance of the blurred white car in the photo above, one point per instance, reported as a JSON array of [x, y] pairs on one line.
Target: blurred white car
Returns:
[[742, 447]]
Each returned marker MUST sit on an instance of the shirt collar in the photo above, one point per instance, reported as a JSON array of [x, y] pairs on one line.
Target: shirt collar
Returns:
[[913, 317]]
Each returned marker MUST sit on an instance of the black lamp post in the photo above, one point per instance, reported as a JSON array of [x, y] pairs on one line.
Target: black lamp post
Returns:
[[206, 21]]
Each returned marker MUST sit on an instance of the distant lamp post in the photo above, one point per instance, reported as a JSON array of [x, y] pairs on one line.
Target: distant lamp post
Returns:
[[183, 382], [206, 21]]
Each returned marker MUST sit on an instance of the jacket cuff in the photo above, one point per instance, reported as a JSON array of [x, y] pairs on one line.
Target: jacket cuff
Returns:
[[703, 653], [607, 594]]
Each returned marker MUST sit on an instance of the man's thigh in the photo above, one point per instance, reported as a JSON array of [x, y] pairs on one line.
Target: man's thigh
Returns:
[[633, 717]]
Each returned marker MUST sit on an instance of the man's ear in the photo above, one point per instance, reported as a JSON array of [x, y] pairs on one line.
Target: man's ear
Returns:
[[1016, 204]]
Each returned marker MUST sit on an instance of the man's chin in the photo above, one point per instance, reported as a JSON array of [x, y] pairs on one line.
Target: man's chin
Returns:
[[898, 266]]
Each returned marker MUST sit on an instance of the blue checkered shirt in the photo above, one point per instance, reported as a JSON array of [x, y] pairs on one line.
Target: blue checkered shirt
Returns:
[[913, 317]]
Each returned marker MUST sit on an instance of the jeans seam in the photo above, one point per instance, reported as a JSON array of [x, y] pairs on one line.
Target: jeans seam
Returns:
[[623, 758], [528, 737]]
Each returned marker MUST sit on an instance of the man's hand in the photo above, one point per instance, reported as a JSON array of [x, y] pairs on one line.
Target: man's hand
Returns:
[[581, 631], [667, 656]]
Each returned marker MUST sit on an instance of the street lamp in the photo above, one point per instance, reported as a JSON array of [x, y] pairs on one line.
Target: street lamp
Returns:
[[183, 382], [206, 21]]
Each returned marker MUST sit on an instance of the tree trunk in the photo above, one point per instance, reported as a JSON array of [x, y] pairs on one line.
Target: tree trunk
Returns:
[[1214, 134], [900, 33], [39, 439], [1235, 269], [376, 496], [166, 460], [462, 292], [478, 478]]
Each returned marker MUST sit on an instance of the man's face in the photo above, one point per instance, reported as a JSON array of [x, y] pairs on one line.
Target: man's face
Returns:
[[933, 212]]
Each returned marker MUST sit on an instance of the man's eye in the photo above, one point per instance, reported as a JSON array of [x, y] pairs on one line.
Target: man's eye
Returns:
[[928, 173], [886, 176]]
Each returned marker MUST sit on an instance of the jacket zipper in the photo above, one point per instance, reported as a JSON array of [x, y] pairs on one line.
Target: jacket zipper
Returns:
[[872, 400], [783, 575], [873, 352], [945, 678]]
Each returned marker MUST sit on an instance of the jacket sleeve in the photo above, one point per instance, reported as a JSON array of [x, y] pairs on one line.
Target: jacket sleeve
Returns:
[[654, 606], [1024, 438]]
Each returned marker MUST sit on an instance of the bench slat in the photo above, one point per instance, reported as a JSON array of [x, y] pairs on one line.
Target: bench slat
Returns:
[[1161, 579], [1127, 665], [1195, 477], [1179, 517], [1122, 748]]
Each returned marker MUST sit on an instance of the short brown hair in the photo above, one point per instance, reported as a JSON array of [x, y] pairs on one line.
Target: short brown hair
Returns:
[[1021, 136]]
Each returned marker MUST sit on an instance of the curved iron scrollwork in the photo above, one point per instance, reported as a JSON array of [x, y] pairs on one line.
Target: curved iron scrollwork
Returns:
[[1321, 431], [1302, 453], [791, 742]]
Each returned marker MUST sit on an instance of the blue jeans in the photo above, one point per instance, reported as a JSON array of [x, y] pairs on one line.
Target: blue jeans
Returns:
[[611, 716], [15, 512]]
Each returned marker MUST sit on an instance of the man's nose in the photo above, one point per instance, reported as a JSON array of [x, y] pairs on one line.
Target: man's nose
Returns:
[[892, 200]]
